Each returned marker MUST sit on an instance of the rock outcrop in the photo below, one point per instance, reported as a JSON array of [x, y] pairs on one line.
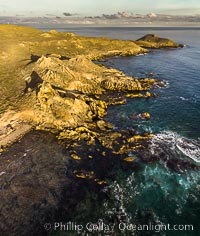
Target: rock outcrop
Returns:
[[68, 93], [154, 41]]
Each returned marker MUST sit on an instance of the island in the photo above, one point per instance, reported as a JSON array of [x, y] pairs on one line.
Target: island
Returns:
[[55, 82]]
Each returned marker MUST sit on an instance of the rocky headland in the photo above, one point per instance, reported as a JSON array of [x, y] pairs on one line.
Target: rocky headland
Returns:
[[50, 83]]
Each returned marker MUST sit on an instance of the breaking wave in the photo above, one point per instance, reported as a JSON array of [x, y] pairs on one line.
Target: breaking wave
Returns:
[[188, 147]]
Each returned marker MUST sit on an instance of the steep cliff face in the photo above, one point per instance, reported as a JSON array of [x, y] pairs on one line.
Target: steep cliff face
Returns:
[[154, 41]]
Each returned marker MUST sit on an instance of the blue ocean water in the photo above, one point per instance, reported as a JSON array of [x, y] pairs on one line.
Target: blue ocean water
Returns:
[[164, 194], [177, 107]]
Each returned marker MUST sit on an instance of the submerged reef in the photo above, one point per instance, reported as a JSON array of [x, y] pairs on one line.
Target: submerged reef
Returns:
[[50, 82]]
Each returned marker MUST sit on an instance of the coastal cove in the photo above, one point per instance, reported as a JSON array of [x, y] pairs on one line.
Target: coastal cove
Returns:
[[118, 141]]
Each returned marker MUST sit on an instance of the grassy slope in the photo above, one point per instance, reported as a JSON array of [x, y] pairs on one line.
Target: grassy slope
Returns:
[[19, 42]]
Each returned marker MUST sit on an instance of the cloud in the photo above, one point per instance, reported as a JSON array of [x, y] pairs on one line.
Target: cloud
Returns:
[[120, 18], [125, 16], [67, 14], [119, 15], [112, 16]]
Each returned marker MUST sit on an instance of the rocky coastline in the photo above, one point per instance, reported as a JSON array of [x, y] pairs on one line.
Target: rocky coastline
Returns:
[[51, 84]]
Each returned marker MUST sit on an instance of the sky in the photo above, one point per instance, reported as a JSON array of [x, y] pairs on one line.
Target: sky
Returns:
[[98, 7]]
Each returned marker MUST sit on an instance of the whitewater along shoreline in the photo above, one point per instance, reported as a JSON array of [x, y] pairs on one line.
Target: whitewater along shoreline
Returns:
[[55, 87]]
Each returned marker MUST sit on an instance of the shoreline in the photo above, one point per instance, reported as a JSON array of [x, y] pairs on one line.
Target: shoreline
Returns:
[[66, 94]]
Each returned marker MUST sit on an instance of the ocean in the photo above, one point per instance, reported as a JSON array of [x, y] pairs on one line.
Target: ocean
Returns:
[[160, 193], [166, 191]]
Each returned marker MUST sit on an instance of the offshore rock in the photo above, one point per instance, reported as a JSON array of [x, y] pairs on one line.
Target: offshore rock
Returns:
[[146, 115], [153, 41], [129, 159]]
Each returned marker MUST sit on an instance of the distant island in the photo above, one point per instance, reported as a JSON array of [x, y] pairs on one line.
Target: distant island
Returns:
[[116, 19]]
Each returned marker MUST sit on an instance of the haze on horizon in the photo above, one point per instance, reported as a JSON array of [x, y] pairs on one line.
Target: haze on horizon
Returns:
[[97, 7]]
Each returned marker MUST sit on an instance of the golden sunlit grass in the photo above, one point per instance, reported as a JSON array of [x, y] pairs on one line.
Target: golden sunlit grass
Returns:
[[18, 43]]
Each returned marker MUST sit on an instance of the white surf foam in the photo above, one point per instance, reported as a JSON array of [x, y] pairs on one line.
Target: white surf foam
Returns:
[[184, 99], [189, 147]]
